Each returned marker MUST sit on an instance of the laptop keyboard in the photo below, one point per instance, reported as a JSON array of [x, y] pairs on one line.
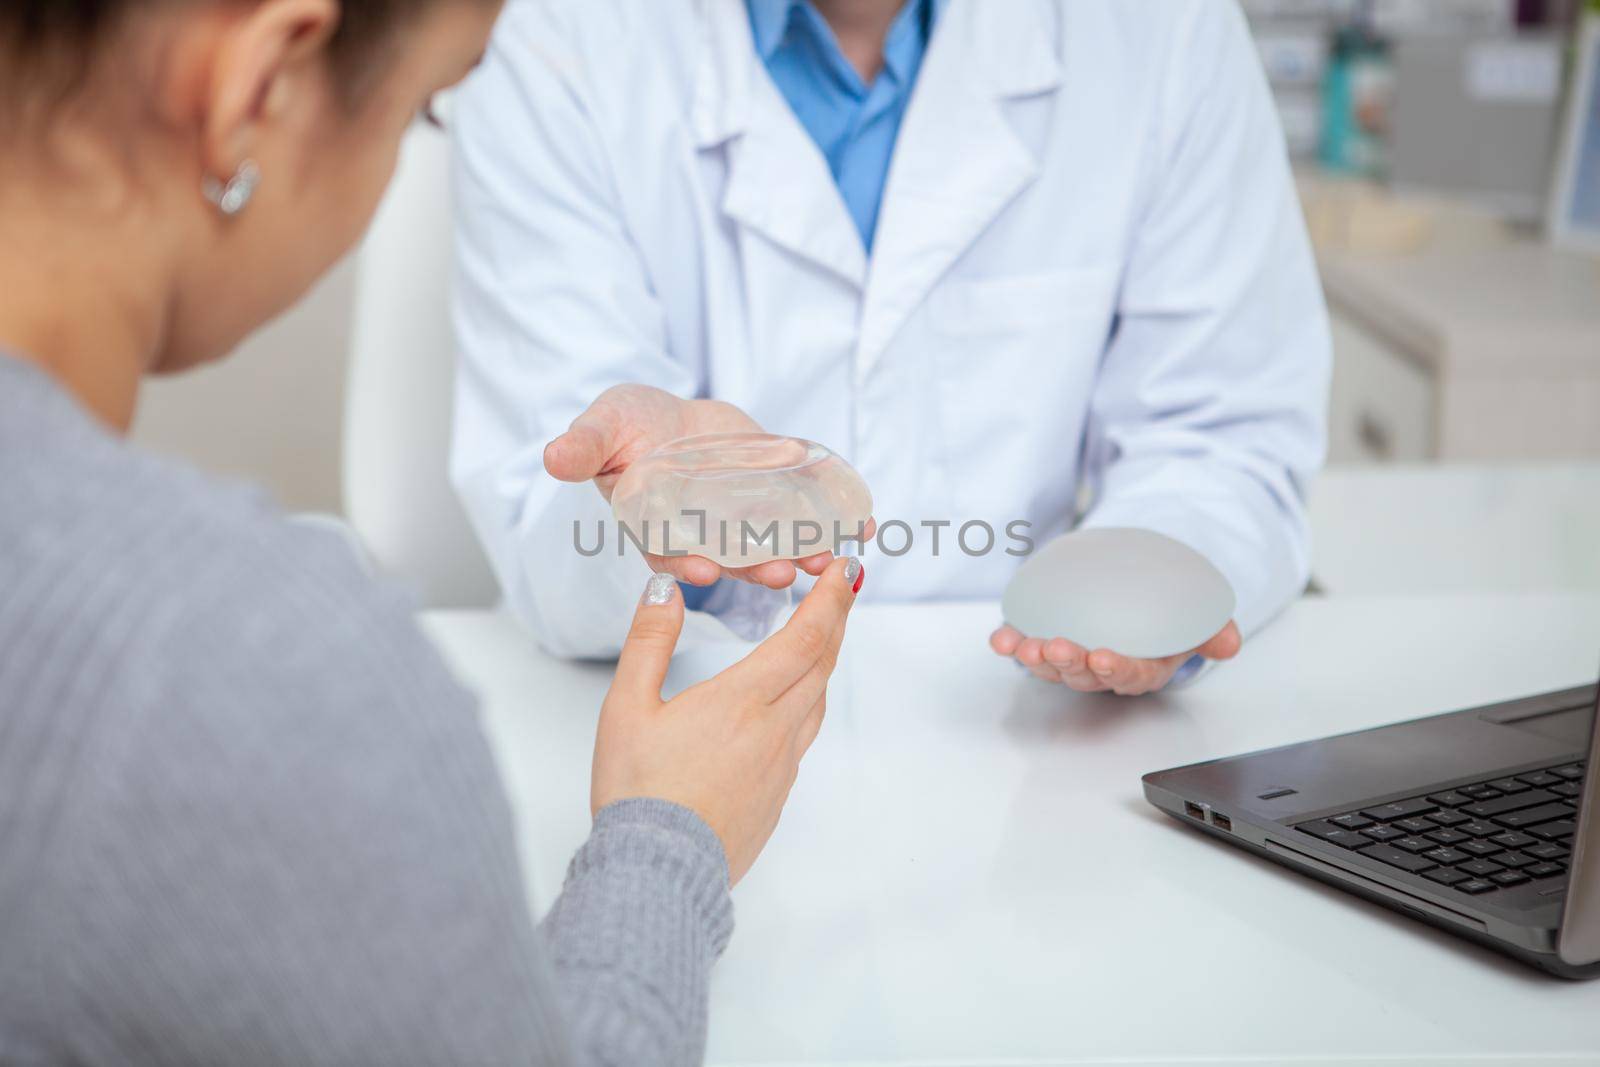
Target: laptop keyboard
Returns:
[[1475, 839]]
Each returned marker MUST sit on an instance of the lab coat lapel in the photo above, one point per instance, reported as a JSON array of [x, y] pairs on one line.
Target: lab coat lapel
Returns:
[[778, 183], [958, 162]]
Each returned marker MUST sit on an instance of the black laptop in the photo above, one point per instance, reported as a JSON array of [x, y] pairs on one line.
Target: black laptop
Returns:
[[1482, 822]]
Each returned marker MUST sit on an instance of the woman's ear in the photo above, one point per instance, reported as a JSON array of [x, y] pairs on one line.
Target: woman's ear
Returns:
[[258, 70]]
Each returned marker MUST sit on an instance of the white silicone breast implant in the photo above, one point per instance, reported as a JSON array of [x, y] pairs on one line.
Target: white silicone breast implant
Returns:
[[741, 499], [1135, 592]]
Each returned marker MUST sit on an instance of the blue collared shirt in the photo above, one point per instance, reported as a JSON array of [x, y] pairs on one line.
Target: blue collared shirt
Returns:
[[853, 123]]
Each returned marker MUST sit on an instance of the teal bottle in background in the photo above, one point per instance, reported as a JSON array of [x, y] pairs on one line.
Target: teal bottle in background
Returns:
[[1357, 95]]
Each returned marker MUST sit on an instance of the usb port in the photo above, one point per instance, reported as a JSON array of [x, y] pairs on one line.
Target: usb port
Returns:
[[1221, 821], [1194, 811]]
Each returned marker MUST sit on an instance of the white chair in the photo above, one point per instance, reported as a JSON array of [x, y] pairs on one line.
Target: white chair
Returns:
[[397, 493]]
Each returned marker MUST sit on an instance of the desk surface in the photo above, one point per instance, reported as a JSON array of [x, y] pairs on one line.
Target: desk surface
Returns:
[[967, 873]]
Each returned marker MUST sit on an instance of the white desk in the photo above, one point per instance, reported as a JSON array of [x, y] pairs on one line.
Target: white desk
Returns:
[[967, 872]]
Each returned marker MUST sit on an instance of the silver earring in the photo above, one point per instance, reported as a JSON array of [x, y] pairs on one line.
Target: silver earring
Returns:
[[233, 197]]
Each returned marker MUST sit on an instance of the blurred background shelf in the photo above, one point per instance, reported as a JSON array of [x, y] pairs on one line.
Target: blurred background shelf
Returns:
[[1457, 335]]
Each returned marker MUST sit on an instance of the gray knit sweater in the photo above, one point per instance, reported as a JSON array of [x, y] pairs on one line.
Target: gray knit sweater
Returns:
[[247, 816]]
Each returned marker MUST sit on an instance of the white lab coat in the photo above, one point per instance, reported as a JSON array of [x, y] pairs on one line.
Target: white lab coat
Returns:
[[1090, 273]]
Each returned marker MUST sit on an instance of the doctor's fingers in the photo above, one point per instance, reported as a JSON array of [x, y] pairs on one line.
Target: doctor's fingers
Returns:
[[583, 452], [809, 639], [1132, 677], [1005, 640], [815, 565], [1064, 656], [1225, 645], [624, 421], [696, 570], [1046, 673], [1081, 681], [774, 574], [1030, 652], [1071, 663]]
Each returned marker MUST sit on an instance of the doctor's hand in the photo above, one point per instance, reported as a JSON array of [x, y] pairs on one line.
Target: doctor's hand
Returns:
[[729, 748], [1059, 660], [627, 423]]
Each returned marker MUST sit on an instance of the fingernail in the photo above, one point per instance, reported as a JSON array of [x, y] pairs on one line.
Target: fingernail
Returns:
[[660, 589], [1101, 668], [855, 574]]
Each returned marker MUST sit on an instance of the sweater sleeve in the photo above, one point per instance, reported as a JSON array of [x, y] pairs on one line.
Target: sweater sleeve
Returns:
[[644, 914], [293, 846]]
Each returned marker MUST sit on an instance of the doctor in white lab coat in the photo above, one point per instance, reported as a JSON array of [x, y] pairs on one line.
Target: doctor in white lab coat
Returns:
[[1086, 298]]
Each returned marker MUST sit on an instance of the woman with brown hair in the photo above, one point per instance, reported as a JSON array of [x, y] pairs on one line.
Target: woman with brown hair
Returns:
[[246, 815]]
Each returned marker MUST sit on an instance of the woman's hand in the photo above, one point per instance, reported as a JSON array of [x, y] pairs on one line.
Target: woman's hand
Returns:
[[1059, 660], [627, 423], [729, 748]]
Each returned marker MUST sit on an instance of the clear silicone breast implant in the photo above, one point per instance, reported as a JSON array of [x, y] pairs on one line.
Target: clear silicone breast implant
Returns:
[[740, 499]]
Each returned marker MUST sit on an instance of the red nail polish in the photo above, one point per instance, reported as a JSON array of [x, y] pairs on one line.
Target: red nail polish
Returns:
[[861, 579]]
